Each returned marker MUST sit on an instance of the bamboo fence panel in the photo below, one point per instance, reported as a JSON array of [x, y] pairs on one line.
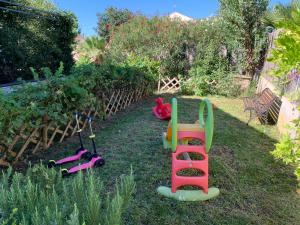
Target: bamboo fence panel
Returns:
[[169, 85], [31, 140]]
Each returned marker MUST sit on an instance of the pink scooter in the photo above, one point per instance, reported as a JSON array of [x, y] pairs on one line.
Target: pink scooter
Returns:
[[95, 160], [80, 153]]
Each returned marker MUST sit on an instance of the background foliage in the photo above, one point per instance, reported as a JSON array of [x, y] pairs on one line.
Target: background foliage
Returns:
[[158, 38], [208, 51], [91, 50], [212, 69], [244, 20], [39, 39], [110, 19], [287, 45]]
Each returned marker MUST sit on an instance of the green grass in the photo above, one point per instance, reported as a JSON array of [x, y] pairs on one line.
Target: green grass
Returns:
[[255, 189]]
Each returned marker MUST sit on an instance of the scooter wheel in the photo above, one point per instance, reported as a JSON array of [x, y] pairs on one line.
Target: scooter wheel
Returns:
[[86, 155], [99, 162], [51, 164], [64, 173]]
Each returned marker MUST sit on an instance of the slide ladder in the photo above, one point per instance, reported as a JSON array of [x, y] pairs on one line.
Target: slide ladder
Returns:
[[201, 165]]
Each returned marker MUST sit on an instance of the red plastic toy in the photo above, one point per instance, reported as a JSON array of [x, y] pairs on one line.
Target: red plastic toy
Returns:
[[162, 110]]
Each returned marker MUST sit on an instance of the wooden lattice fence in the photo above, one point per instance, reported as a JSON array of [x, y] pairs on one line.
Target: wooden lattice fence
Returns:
[[31, 140], [169, 85]]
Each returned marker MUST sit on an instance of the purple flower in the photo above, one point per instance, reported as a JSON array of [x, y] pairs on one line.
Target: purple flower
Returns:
[[294, 74]]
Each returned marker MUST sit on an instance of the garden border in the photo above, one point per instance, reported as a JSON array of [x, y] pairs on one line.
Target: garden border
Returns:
[[42, 137]]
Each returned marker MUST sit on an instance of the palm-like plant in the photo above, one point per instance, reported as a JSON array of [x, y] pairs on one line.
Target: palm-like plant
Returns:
[[93, 49], [285, 16]]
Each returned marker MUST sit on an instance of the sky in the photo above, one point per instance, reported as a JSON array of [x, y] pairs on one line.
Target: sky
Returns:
[[86, 10]]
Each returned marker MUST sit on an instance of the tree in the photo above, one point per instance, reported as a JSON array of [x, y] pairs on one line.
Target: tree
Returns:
[[111, 18], [245, 19], [40, 38]]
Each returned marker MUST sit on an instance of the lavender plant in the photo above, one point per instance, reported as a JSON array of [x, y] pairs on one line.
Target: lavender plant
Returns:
[[42, 197]]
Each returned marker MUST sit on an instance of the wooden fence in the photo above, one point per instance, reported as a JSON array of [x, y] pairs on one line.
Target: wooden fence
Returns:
[[31, 140], [169, 85]]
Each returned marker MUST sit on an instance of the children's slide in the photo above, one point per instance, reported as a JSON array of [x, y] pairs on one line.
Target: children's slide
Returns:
[[177, 138]]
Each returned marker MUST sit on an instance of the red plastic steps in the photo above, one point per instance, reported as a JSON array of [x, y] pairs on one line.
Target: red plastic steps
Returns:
[[190, 164], [201, 182], [191, 148], [202, 165]]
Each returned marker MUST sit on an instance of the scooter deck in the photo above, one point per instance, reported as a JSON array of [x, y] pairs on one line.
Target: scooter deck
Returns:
[[92, 163], [69, 159]]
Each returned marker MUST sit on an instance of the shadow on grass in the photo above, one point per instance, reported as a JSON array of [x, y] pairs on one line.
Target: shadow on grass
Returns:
[[255, 189]]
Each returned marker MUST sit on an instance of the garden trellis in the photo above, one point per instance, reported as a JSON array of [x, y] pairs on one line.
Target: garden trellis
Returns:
[[42, 137], [167, 84]]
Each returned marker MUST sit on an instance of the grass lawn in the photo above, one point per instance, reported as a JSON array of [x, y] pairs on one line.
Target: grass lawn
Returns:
[[255, 189]]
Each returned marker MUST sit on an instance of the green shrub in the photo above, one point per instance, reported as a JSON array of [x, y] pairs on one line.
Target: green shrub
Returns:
[[251, 90], [200, 50], [217, 83], [146, 69], [288, 149], [157, 38], [42, 197], [210, 73]]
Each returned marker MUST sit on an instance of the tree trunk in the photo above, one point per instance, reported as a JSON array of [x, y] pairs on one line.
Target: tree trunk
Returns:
[[249, 46]]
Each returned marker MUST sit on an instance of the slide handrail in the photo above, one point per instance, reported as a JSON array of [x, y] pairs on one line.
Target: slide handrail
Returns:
[[208, 124], [174, 124]]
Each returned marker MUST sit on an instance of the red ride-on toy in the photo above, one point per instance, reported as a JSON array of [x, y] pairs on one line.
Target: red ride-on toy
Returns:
[[162, 110]]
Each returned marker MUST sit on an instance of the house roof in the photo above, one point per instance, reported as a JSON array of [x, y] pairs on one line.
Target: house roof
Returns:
[[177, 15]]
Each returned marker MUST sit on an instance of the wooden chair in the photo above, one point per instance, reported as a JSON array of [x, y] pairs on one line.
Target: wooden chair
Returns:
[[264, 106]]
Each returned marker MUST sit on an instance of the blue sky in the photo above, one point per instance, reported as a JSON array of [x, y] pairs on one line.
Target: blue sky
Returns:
[[86, 10]]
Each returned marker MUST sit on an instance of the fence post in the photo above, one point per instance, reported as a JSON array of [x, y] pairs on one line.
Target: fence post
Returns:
[[45, 131], [103, 99], [158, 86]]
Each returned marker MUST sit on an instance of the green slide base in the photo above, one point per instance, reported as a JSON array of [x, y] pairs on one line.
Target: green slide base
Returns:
[[186, 195]]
